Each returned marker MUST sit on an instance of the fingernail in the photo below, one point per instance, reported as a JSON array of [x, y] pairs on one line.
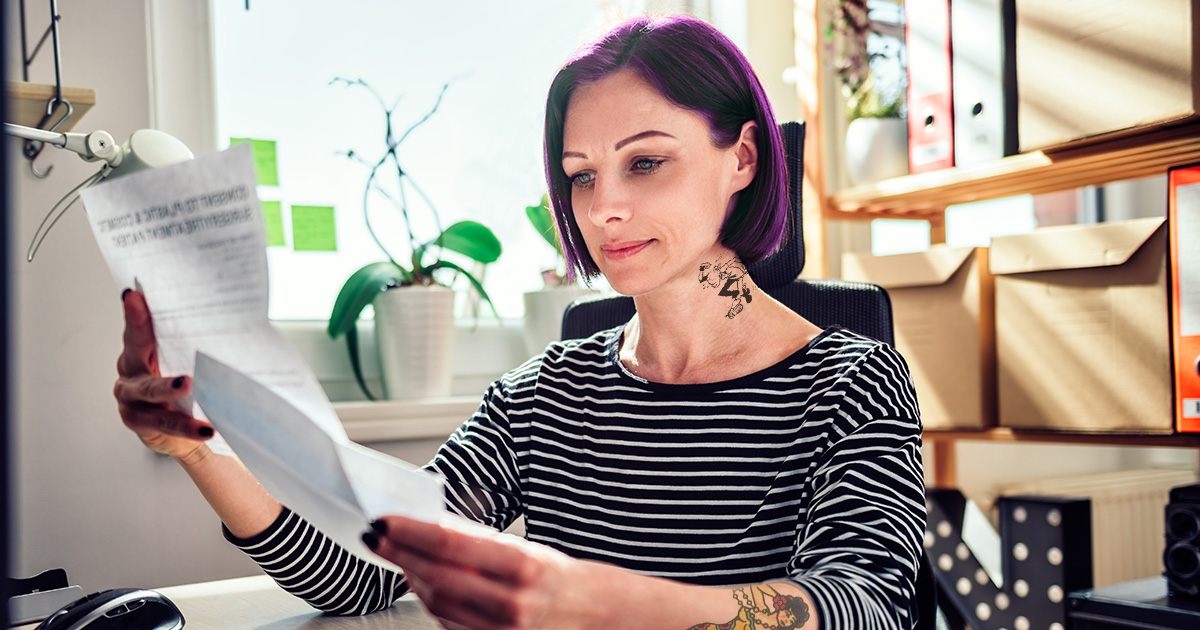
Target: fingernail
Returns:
[[370, 540], [206, 432], [125, 293], [380, 526], [177, 383]]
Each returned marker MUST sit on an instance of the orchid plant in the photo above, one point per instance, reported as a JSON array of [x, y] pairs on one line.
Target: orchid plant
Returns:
[[469, 238]]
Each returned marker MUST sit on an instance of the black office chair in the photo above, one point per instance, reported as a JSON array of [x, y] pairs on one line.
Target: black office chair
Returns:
[[861, 307]]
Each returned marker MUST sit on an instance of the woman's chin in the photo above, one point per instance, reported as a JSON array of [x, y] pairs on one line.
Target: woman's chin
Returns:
[[629, 289], [630, 284]]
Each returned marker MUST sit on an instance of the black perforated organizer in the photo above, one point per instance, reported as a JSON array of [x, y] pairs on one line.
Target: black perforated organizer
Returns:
[[1045, 549]]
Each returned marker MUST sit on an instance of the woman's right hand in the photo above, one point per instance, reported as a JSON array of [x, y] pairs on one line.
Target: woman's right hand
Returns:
[[145, 397]]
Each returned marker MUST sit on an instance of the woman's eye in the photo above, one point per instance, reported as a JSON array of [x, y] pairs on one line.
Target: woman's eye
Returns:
[[582, 180], [646, 165]]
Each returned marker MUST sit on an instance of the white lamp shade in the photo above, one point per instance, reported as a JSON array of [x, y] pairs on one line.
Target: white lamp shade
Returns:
[[150, 148]]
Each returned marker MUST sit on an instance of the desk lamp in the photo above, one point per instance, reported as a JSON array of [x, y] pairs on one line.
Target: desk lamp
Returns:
[[145, 148]]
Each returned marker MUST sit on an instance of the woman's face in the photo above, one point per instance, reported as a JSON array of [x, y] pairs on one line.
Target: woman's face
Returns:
[[650, 191]]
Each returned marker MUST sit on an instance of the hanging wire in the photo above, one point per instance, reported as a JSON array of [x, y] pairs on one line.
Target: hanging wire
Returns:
[[40, 234]]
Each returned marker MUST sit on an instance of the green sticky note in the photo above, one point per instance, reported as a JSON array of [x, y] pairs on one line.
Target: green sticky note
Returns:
[[273, 217], [313, 229], [265, 165]]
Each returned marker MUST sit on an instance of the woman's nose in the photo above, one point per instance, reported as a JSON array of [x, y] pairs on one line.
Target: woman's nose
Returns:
[[610, 202]]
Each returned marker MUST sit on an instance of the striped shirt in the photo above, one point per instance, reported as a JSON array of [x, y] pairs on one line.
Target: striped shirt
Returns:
[[808, 471]]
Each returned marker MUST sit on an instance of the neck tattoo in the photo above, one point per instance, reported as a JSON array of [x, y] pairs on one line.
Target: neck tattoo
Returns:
[[731, 277]]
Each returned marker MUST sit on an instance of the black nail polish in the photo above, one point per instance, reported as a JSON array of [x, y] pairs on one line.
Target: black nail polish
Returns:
[[177, 383], [125, 293], [206, 431], [380, 526], [370, 540]]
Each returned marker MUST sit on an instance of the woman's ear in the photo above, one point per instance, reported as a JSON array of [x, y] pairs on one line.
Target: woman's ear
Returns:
[[746, 151]]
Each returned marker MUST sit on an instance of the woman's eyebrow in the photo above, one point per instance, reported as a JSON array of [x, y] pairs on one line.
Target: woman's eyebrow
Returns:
[[638, 136], [634, 138]]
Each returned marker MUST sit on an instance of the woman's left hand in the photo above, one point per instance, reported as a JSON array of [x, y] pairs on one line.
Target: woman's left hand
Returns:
[[475, 578]]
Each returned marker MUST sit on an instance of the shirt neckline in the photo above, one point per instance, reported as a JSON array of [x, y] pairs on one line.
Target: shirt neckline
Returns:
[[615, 365]]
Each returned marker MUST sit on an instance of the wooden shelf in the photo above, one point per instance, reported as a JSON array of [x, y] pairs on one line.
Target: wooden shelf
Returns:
[[27, 103], [1189, 440], [926, 195]]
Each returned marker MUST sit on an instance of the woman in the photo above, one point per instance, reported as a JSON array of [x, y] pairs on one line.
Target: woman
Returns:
[[702, 466]]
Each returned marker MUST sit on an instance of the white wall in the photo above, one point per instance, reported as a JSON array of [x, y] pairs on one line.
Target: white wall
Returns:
[[89, 497]]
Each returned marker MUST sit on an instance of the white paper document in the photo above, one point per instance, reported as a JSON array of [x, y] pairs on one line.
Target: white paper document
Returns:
[[191, 237], [336, 485]]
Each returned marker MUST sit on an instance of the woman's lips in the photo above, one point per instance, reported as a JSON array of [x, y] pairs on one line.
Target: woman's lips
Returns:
[[620, 251]]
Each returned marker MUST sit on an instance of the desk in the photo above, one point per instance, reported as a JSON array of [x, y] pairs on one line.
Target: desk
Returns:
[[257, 603], [1142, 604]]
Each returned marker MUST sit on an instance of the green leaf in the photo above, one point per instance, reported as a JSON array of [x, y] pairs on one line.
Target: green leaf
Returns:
[[359, 291], [474, 283], [470, 239], [543, 222], [356, 361]]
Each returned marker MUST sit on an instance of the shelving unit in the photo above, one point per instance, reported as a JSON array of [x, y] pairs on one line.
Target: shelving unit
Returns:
[[1140, 153], [926, 195], [945, 457], [27, 103]]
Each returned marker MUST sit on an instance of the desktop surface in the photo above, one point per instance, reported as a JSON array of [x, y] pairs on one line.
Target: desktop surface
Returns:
[[1140, 604], [257, 603]]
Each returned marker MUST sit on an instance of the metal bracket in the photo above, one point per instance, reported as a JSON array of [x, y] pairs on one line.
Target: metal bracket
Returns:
[[33, 148]]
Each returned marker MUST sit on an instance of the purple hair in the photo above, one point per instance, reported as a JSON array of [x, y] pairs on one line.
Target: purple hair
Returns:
[[696, 67]]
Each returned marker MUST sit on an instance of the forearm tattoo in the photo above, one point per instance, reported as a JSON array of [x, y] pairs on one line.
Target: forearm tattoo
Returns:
[[731, 277], [762, 607]]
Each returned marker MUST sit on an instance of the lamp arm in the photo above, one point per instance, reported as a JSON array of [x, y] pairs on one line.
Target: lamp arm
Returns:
[[98, 145], [41, 135]]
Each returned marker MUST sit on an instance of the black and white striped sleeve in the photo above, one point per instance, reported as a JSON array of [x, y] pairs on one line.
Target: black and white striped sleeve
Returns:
[[309, 565], [479, 462], [858, 551]]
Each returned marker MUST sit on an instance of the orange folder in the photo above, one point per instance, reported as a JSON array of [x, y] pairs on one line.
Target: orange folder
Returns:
[[1183, 217]]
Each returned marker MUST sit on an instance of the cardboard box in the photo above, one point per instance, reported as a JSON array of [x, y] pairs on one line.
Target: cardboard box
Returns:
[[1082, 328], [942, 303], [1088, 68]]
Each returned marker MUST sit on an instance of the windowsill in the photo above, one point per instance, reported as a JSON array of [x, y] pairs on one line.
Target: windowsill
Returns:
[[483, 351], [392, 420]]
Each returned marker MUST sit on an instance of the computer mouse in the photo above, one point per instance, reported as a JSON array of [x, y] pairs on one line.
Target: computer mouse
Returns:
[[117, 609]]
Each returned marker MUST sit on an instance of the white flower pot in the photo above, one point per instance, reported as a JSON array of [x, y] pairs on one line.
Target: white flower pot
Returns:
[[544, 312], [414, 330], [876, 149]]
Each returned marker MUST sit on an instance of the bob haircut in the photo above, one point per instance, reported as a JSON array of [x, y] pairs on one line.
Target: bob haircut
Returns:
[[695, 67]]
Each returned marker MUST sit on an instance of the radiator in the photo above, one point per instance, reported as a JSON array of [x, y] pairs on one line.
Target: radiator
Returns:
[[1127, 516]]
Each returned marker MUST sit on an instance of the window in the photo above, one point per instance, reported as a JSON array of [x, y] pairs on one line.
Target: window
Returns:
[[478, 157]]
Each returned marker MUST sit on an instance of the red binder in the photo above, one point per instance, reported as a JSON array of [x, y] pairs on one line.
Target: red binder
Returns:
[[930, 118], [1183, 218]]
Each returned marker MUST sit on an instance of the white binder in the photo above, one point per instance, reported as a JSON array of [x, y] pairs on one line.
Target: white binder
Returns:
[[983, 45]]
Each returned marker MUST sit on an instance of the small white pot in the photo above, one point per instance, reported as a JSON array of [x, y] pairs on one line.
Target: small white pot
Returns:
[[876, 149], [544, 312], [414, 330]]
